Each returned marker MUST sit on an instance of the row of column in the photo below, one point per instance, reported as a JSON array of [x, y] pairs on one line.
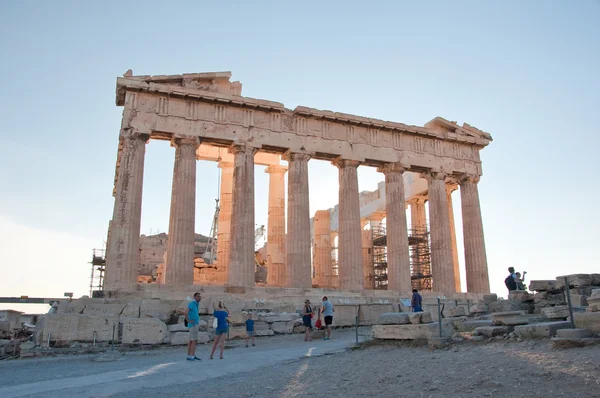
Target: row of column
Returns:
[[236, 224]]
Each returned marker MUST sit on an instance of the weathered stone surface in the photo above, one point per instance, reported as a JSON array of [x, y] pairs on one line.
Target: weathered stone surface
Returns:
[[520, 296], [411, 332], [237, 332], [544, 286], [415, 317], [540, 330], [595, 292], [132, 310], [577, 300], [456, 311], [261, 326], [490, 298], [505, 306], [182, 338], [510, 318], [594, 307], [574, 333], [179, 327], [575, 280], [394, 318], [469, 326], [479, 308], [267, 332], [75, 327], [595, 279], [282, 327], [276, 317], [103, 309], [562, 342], [154, 308], [491, 331], [143, 331], [426, 317], [587, 320], [556, 312]]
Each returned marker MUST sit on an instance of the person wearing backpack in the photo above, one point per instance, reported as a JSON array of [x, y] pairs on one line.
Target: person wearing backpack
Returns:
[[511, 280]]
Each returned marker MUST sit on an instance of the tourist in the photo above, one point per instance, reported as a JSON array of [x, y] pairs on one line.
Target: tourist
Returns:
[[307, 315], [521, 281], [192, 316], [249, 329], [416, 301], [511, 280], [328, 316], [221, 313]]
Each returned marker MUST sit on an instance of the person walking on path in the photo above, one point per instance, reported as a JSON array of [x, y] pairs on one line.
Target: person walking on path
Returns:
[[221, 313], [193, 321], [416, 301], [249, 329], [328, 316], [307, 315]]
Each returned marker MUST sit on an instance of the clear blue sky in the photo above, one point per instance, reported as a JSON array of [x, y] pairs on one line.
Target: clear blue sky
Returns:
[[527, 72]]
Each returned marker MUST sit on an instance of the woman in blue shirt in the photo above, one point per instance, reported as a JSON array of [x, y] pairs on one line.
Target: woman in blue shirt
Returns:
[[221, 313]]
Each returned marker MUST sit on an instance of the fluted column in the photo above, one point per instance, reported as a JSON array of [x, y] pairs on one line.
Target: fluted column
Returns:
[[179, 266], [442, 268], [224, 226], [398, 260], [350, 240], [418, 218], [298, 222], [123, 254], [322, 256], [276, 274], [475, 256], [367, 259], [451, 187], [241, 269]]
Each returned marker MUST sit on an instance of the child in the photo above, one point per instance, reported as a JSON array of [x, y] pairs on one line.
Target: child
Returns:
[[521, 281], [249, 330]]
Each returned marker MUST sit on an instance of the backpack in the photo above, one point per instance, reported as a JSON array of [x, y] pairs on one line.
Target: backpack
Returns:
[[510, 283]]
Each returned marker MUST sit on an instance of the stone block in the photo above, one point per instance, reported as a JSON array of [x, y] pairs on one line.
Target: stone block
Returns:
[[267, 332], [479, 308], [143, 331], [103, 309], [238, 317], [426, 317], [394, 318], [76, 327], [411, 332], [415, 317], [282, 327], [595, 279], [299, 329], [490, 298], [520, 296], [575, 280], [237, 332], [131, 310], [587, 320], [595, 292], [456, 311], [492, 331], [510, 318], [370, 313], [178, 327], [556, 312], [544, 286], [578, 300], [154, 308], [561, 342], [469, 326], [574, 333], [593, 307], [506, 306], [182, 338], [540, 330], [267, 317]]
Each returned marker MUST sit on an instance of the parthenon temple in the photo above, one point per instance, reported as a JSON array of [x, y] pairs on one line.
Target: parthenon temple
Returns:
[[350, 248]]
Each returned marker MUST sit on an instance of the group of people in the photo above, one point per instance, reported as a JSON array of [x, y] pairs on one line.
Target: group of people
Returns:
[[514, 281], [221, 314]]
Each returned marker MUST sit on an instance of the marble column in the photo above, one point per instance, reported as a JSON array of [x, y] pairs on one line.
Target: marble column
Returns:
[[179, 265], [418, 218], [398, 260], [442, 268], [475, 256], [451, 187], [276, 275], [350, 240], [367, 259], [299, 272], [224, 226], [322, 255], [241, 268], [123, 254]]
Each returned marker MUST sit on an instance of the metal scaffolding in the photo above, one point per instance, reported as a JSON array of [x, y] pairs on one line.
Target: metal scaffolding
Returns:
[[97, 277], [379, 252]]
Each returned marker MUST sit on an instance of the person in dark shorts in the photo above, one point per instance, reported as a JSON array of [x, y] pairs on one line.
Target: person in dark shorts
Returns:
[[249, 329], [328, 316], [221, 313], [416, 301], [307, 314]]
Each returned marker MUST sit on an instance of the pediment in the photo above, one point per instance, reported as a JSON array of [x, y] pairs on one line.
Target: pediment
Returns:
[[439, 124]]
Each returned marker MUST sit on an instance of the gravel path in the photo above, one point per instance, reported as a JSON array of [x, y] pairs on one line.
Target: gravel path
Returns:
[[499, 369]]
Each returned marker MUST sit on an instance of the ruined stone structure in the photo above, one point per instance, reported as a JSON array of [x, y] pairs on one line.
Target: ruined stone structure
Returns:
[[205, 117]]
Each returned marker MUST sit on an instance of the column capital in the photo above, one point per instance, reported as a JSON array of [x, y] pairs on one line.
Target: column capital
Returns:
[[225, 165], [179, 140], [434, 175], [134, 134], [343, 163], [242, 147], [472, 178], [417, 200], [296, 156], [451, 186], [392, 168], [276, 169]]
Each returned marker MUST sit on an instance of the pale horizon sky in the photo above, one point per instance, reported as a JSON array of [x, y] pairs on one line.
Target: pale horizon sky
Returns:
[[526, 72]]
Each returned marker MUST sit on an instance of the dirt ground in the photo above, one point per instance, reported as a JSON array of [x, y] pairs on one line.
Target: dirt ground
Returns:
[[498, 369]]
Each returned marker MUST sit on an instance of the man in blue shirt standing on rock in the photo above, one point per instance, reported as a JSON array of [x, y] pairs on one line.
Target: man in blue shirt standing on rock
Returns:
[[192, 316]]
